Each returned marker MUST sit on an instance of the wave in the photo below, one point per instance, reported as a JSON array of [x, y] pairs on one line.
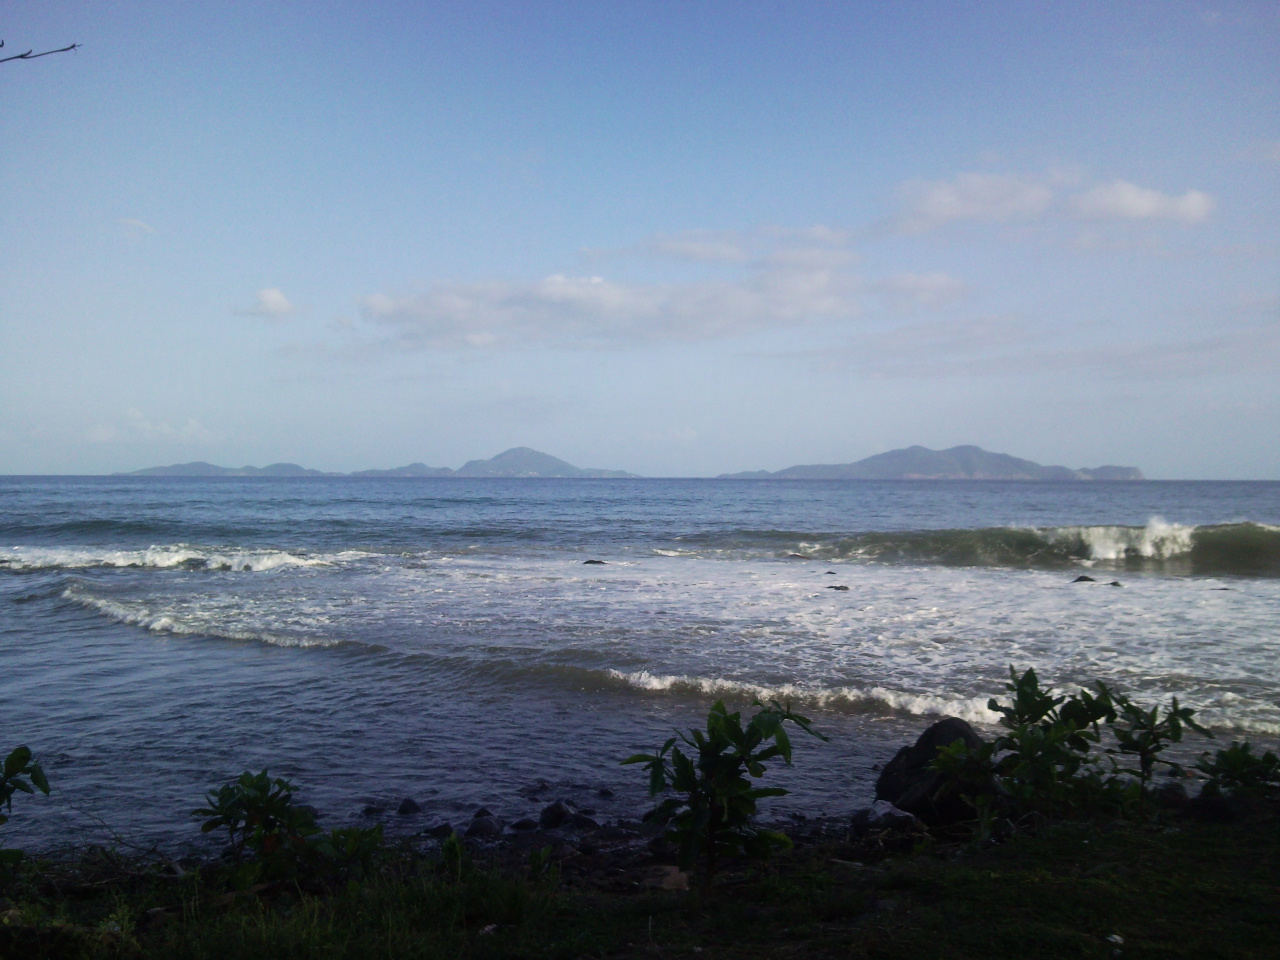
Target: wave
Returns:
[[177, 556], [1227, 713], [189, 623], [841, 699], [1244, 548]]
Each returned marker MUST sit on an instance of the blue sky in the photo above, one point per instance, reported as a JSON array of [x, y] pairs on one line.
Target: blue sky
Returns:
[[676, 239]]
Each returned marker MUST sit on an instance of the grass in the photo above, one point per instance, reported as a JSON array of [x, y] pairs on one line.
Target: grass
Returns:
[[1167, 888]]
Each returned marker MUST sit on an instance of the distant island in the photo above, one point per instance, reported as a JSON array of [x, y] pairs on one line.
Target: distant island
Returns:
[[921, 463], [516, 462], [911, 463]]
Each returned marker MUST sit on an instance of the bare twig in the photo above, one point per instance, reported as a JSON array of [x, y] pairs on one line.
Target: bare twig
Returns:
[[29, 55]]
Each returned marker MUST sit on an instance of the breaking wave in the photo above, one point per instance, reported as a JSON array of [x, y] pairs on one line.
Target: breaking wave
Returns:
[[843, 699], [178, 556], [188, 622], [1249, 549]]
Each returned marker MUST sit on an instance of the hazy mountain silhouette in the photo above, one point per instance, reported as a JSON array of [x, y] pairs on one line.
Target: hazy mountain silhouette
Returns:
[[957, 463]]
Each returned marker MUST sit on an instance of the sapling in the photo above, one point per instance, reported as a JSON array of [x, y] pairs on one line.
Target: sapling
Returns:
[[20, 773], [712, 816]]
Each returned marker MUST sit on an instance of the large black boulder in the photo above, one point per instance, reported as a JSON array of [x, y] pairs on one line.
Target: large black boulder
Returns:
[[911, 784]]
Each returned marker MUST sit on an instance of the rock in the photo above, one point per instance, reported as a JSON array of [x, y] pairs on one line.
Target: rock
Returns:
[[883, 816], [308, 808], [532, 790], [1083, 579], [554, 814], [1115, 583], [830, 573], [484, 827], [604, 793], [440, 831], [408, 806], [580, 821], [840, 587], [482, 812], [600, 563], [910, 784], [525, 823], [1171, 795], [372, 810]]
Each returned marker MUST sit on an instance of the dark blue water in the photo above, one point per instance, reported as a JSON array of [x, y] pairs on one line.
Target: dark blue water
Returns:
[[443, 639]]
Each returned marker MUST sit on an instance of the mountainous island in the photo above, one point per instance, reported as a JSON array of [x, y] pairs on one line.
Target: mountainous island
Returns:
[[921, 463], [516, 462], [911, 463]]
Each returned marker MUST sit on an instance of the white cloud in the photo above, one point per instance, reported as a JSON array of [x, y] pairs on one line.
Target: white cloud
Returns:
[[928, 204], [1006, 198], [592, 311], [1122, 200], [785, 278], [270, 303]]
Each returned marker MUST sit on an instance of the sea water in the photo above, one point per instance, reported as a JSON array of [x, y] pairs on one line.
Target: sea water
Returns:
[[445, 639]]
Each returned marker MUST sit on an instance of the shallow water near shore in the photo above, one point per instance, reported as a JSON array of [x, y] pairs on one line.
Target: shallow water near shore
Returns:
[[444, 639]]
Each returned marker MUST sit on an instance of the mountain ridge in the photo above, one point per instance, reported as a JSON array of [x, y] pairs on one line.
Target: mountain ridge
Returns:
[[518, 462], [966, 462]]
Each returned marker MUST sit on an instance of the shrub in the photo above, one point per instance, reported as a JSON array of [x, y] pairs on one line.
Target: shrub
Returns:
[[713, 815], [1146, 733], [20, 773], [259, 813], [1238, 771], [1045, 765]]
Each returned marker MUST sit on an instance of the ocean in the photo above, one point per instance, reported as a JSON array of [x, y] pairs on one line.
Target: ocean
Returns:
[[448, 640]]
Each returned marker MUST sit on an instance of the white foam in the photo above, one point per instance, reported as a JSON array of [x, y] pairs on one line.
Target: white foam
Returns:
[[188, 622], [1158, 540], [239, 559], [972, 709]]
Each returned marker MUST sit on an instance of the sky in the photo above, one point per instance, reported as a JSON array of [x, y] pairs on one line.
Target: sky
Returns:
[[678, 239]]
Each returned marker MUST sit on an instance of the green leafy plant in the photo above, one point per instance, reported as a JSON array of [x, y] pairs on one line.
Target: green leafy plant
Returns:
[[1238, 771], [259, 813], [712, 817], [351, 852], [453, 858], [1044, 763], [20, 773], [1145, 734]]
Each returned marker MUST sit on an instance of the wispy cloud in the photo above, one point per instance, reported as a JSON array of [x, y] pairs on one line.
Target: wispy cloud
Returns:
[[782, 278], [927, 205], [135, 229], [1121, 200], [993, 347], [592, 311], [269, 303]]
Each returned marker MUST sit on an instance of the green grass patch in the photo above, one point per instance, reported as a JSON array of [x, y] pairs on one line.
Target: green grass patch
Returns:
[[1173, 888]]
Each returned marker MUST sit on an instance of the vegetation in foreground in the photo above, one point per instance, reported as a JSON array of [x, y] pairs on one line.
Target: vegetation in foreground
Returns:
[[1085, 863]]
